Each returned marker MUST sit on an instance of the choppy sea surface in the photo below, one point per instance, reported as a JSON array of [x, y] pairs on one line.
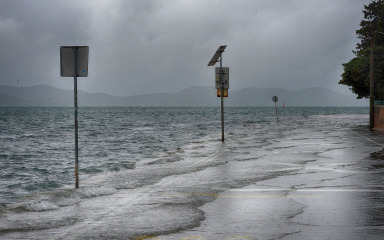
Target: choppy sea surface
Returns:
[[143, 157]]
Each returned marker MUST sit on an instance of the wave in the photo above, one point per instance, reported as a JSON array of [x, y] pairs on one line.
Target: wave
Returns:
[[46, 201]]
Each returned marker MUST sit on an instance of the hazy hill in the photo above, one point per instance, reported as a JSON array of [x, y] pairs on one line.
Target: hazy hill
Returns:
[[307, 97], [43, 95]]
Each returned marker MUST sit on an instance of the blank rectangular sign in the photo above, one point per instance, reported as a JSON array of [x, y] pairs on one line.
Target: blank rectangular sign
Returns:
[[68, 58], [225, 78]]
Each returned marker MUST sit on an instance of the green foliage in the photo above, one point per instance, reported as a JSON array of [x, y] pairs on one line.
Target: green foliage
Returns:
[[373, 22], [356, 75], [356, 71]]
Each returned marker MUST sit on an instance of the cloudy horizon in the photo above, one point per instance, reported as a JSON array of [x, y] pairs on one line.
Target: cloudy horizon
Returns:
[[139, 47]]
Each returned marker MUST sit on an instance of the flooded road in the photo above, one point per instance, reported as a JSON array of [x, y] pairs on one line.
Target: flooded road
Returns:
[[337, 192], [308, 177]]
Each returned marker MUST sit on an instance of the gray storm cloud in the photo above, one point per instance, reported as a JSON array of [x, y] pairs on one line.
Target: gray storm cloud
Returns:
[[141, 47]]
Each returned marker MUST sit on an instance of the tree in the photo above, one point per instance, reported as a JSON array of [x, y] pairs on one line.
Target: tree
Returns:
[[356, 71]]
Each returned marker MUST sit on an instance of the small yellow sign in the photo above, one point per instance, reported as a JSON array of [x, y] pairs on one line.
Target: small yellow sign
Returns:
[[225, 93]]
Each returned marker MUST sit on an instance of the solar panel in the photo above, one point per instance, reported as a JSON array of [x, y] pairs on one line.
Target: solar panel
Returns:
[[215, 57]]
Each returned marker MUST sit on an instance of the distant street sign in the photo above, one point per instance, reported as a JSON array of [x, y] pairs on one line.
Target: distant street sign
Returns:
[[68, 58], [225, 77], [275, 99], [219, 80]]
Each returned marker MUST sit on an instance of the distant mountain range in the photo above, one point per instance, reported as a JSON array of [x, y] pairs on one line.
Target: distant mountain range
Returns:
[[43, 95]]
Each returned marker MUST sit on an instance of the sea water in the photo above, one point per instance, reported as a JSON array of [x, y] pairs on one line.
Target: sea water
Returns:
[[143, 171]]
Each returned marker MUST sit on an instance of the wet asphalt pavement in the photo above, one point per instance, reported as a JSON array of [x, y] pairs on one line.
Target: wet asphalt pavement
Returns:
[[337, 192]]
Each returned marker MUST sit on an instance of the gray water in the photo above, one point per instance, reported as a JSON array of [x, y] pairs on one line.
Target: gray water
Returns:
[[137, 165]]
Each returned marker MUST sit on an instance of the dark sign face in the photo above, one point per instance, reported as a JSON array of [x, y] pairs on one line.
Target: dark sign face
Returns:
[[275, 98], [68, 56]]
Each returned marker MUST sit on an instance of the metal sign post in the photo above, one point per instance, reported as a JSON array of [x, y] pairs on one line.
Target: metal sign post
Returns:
[[76, 120], [275, 99], [74, 63], [222, 98], [222, 84]]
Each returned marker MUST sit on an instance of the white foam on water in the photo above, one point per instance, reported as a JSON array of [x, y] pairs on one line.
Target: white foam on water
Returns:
[[94, 191], [42, 206]]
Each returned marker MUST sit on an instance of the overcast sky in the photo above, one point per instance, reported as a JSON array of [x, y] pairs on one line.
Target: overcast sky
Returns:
[[145, 46]]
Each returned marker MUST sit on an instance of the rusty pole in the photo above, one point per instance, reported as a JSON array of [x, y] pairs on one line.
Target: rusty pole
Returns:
[[371, 83]]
